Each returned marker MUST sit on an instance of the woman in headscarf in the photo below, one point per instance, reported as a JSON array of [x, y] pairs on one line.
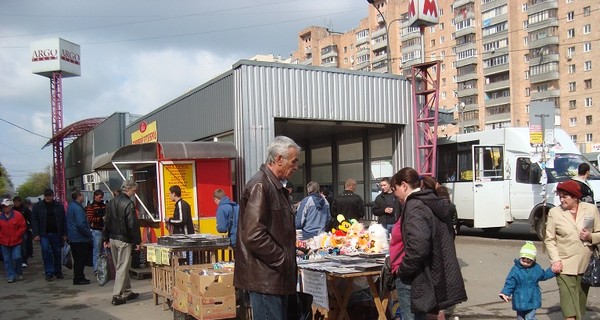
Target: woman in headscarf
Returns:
[[568, 240]]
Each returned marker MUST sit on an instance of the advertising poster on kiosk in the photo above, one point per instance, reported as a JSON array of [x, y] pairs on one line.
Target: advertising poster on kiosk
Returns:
[[181, 174]]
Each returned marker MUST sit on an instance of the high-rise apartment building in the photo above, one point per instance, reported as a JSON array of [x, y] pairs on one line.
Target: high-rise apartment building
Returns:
[[497, 56]]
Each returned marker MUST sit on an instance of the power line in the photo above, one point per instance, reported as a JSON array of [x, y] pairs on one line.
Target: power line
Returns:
[[18, 126]]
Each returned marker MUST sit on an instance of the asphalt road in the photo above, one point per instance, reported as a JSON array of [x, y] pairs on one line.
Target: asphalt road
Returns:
[[485, 259]]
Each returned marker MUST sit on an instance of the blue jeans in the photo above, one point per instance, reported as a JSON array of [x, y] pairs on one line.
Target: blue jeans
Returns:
[[51, 253], [12, 261], [526, 315], [404, 296], [268, 306], [97, 243]]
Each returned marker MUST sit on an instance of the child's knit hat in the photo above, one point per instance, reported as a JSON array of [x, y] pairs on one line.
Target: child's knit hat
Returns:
[[528, 250]]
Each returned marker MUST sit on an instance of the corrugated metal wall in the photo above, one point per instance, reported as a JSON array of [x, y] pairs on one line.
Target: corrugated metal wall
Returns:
[[265, 91], [202, 112]]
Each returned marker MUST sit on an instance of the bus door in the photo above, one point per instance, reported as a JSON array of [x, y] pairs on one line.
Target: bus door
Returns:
[[488, 187]]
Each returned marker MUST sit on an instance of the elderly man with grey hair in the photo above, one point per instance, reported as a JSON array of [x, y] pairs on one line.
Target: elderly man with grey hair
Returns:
[[313, 212], [122, 234], [265, 253]]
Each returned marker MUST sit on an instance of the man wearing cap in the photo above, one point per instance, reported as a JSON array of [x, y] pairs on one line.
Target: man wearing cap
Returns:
[[49, 228], [12, 228], [571, 229]]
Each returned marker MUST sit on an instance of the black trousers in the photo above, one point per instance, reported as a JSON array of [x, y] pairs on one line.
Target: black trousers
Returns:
[[82, 254]]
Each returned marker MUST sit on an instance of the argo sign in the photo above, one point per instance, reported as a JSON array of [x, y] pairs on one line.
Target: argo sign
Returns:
[[55, 55]]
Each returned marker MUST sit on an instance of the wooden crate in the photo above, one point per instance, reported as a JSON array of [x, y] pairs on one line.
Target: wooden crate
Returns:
[[162, 282]]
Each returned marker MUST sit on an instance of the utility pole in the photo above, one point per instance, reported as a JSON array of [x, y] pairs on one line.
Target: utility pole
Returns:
[[387, 37], [544, 177]]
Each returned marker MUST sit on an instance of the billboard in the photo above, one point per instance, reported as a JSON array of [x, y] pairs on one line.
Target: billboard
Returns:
[[422, 13], [55, 55]]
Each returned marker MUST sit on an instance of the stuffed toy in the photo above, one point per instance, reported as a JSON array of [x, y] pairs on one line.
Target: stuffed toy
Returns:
[[343, 227], [378, 241]]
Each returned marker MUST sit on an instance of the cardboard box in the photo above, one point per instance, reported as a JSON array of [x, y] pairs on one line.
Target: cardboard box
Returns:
[[209, 308], [212, 283], [180, 300]]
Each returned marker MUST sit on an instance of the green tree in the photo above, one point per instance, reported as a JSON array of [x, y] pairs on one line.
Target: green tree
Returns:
[[35, 184], [6, 185]]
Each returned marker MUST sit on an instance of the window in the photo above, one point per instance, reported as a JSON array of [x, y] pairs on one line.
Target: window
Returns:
[[587, 66], [587, 29], [572, 86], [526, 74], [572, 68], [588, 83], [588, 102], [527, 172], [527, 92], [432, 42], [572, 104], [526, 41], [588, 120], [587, 46], [570, 16], [525, 25], [588, 137], [586, 11], [441, 39], [570, 33], [570, 52], [524, 7], [432, 29], [441, 26], [572, 122], [574, 138]]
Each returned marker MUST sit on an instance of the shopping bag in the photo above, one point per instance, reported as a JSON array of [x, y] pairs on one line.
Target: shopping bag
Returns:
[[102, 268], [591, 277], [67, 260]]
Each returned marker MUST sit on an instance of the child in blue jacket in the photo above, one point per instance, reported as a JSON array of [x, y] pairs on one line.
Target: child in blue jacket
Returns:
[[522, 283]]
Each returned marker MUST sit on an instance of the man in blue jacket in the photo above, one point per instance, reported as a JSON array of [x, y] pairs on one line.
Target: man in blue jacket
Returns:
[[49, 228], [313, 212], [80, 237], [227, 215]]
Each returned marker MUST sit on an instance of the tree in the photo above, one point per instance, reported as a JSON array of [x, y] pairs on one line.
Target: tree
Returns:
[[35, 184], [6, 185]]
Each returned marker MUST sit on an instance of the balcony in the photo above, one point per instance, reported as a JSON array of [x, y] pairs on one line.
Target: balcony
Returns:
[[499, 117], [464, 62], [553, 22], [495, 20], [497, 101], [331, 64], [543, 77], [497, 85], [380, 57], [467, 77], [493, 4], [363, 64], [378, 45], [382, 69], [466, 92], [545, 94], [460, 3], [539, 43], [362, 52], [547, 58], [330, 53], [496, 69], [464, 31], [306, 62], [466, 16], [362, 40], [380, 19], [378, 33], [539, 7]]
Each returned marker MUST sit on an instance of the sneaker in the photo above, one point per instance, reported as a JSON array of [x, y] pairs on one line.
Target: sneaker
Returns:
[[116, 300], [81, 282], [131, 296], [59, 276], [49, 277], [11, 280], [24, 265]]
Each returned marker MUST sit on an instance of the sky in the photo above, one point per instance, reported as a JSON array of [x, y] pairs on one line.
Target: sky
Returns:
[[136, 55]]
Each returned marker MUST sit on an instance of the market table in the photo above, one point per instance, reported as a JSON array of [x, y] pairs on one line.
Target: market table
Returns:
[[325, 281]]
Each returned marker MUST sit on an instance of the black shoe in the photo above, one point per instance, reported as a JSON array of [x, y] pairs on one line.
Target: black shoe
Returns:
[[116, 301], [81, 282], [132, 296], [59, 276], [49, 277]]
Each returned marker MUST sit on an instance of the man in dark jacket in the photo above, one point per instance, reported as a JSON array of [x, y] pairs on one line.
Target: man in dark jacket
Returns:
[[265, 253], [348, 203], [122, 234], [80, 237], [182, 215], [385, 205], [27, 245], [49, 228]]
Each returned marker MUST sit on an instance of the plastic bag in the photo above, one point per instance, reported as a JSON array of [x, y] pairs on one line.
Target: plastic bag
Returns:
[[102, 268], [591, 276], [67, 260]]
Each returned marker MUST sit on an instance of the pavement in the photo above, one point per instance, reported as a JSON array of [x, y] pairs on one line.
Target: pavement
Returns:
[[485, 261]]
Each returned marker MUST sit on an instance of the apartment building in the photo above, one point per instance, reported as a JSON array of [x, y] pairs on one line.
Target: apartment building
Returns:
[[496, 57]]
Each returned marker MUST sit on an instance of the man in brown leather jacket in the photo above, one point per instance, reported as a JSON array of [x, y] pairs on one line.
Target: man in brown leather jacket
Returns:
[[265, 254]]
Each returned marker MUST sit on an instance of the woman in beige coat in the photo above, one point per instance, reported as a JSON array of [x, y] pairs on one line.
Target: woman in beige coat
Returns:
[[569, 246]]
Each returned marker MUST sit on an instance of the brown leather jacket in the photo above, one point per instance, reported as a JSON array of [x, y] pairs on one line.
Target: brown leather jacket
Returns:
[[265, 253]]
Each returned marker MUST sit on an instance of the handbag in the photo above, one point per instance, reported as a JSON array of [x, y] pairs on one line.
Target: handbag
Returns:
[[67, 260], [102, 268], [591, 276], [387, 278]]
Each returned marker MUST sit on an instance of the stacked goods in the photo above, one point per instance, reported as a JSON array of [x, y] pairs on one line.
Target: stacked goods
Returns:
[[205, 292]]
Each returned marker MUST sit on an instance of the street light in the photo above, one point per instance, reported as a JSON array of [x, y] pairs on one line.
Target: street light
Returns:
[[461, 108], [387, 37]]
